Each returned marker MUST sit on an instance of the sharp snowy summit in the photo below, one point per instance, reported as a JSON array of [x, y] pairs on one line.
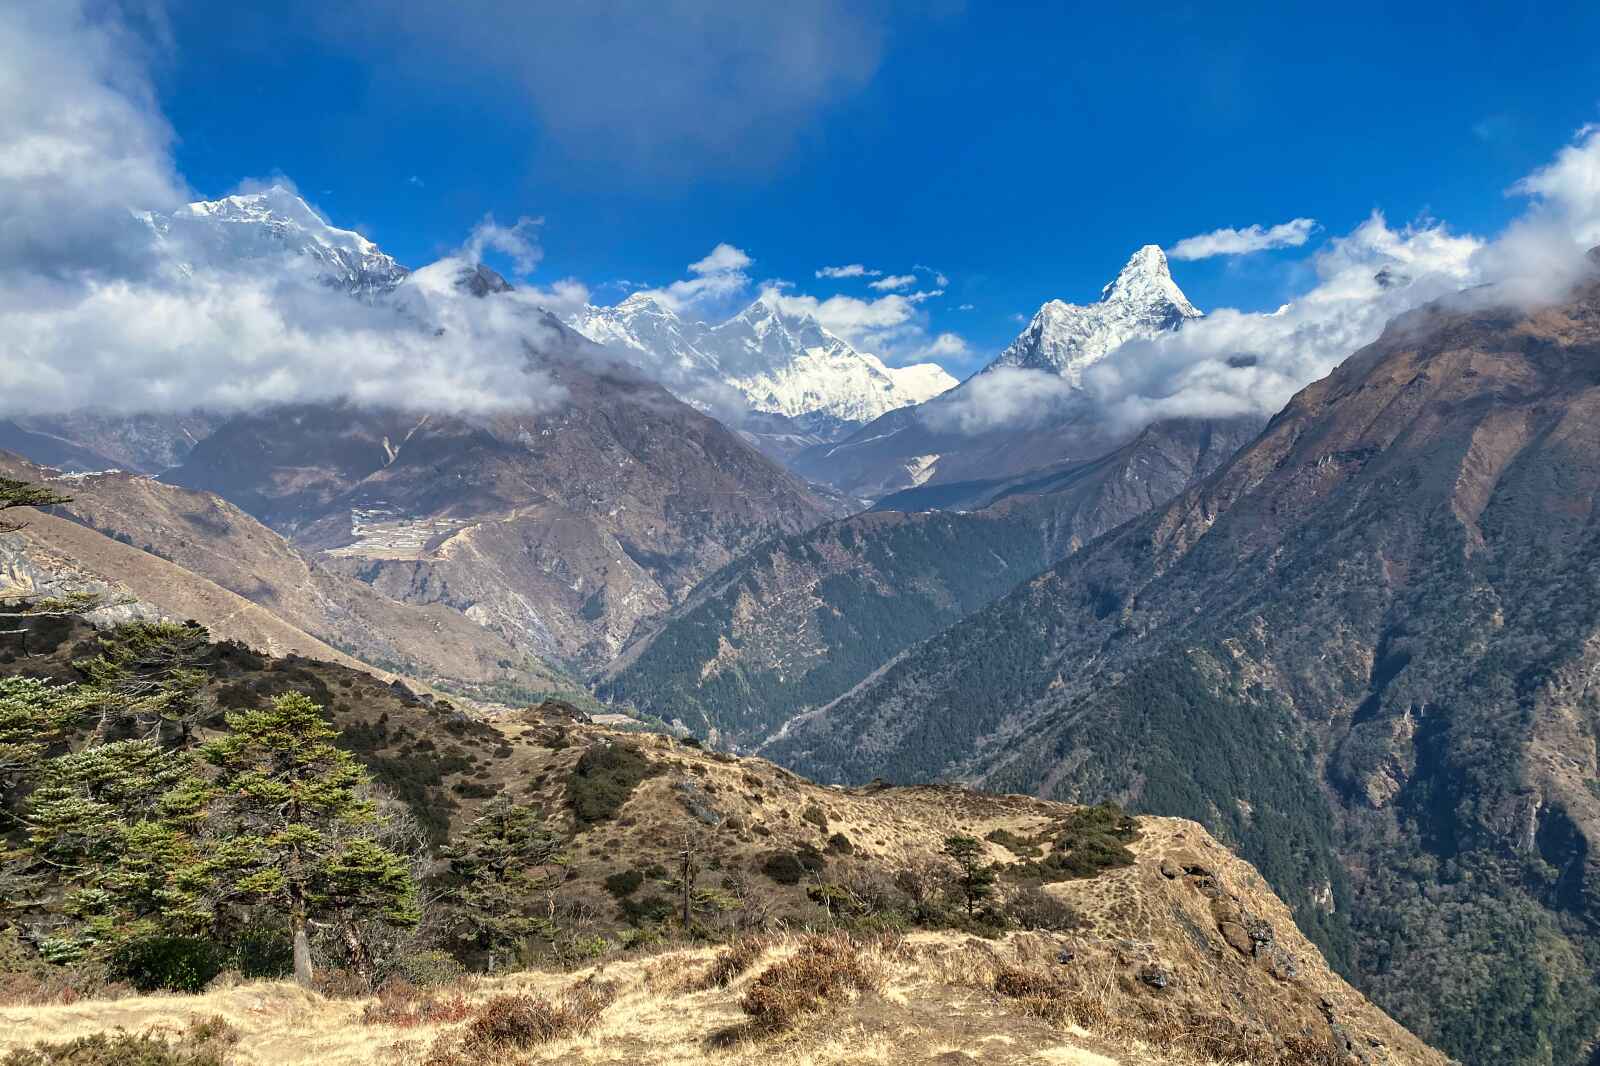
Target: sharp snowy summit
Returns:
[[1066, 339], [276, 222], [777, 361]]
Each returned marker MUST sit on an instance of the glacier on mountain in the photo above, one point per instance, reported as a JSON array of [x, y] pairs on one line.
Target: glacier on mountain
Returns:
[[275, 222], [778, 362], [1066, 339]]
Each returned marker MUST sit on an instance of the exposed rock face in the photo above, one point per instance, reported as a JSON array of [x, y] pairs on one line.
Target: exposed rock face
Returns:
[[183, 554], [1368, 635]]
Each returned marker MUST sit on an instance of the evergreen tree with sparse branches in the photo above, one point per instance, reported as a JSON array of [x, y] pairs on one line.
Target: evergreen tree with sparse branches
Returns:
[[287, 808], [977, 877], [506, 860]]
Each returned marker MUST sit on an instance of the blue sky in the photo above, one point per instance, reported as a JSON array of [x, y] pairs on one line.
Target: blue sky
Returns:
[[1022, 150]]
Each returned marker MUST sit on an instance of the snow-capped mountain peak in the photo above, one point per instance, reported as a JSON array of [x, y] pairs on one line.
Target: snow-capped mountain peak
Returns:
[[780, 359], [1146, 280], [272, 223], [1066, 339]]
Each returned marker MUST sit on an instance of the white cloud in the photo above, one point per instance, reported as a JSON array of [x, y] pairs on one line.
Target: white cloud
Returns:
[[892, 282], [965, 307], [938, 276], [882, 325], [850, 270], [1291, 234], [720, 276], [724, 258], [517, 241], [100, 308]]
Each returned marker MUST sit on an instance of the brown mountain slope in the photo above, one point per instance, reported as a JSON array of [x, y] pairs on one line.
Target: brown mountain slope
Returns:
[[559, 530], [219, 544], [1181, 955], [797, 622], [1370, 635]]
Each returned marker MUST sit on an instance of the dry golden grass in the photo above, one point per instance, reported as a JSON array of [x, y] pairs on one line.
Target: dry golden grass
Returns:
[[929, 998]]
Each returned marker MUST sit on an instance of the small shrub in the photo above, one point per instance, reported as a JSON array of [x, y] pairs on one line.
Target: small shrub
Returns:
[[624, 883], [825, 968], [816, 816], [167, 963], [1031, 907], [403, 1005], [1020, 846], [788, 867], [840, 844], [603, 779], [733, 961], [1017, 983], [429, 969], [517, 1021]]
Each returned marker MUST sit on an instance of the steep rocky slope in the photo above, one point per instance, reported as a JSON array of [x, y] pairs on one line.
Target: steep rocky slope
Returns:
[[1361, 651], [1178, 952], [800, 620], [558, 530], [196, 546]]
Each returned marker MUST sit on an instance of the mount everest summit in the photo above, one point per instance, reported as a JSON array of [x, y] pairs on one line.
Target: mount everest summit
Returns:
[[766, 359]]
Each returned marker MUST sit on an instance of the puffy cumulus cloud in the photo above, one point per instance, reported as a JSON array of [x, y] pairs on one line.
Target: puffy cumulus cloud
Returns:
[[888, 325], [519, 241], [713, 280], [1257, 238], [1546, 244], [672, 87], [81, 140], [1006, 396], [892, 282], [724, 258], [103, 304], [850, 270]]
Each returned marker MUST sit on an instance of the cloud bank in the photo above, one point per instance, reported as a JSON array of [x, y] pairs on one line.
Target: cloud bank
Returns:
[[1235, 362], [1291, 234], [103, 304]]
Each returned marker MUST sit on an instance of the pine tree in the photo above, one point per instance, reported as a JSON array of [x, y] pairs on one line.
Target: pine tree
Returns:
[[287, 804], [115, 824], [15, 493], [151, 673], [977, 877], [506, 859]]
